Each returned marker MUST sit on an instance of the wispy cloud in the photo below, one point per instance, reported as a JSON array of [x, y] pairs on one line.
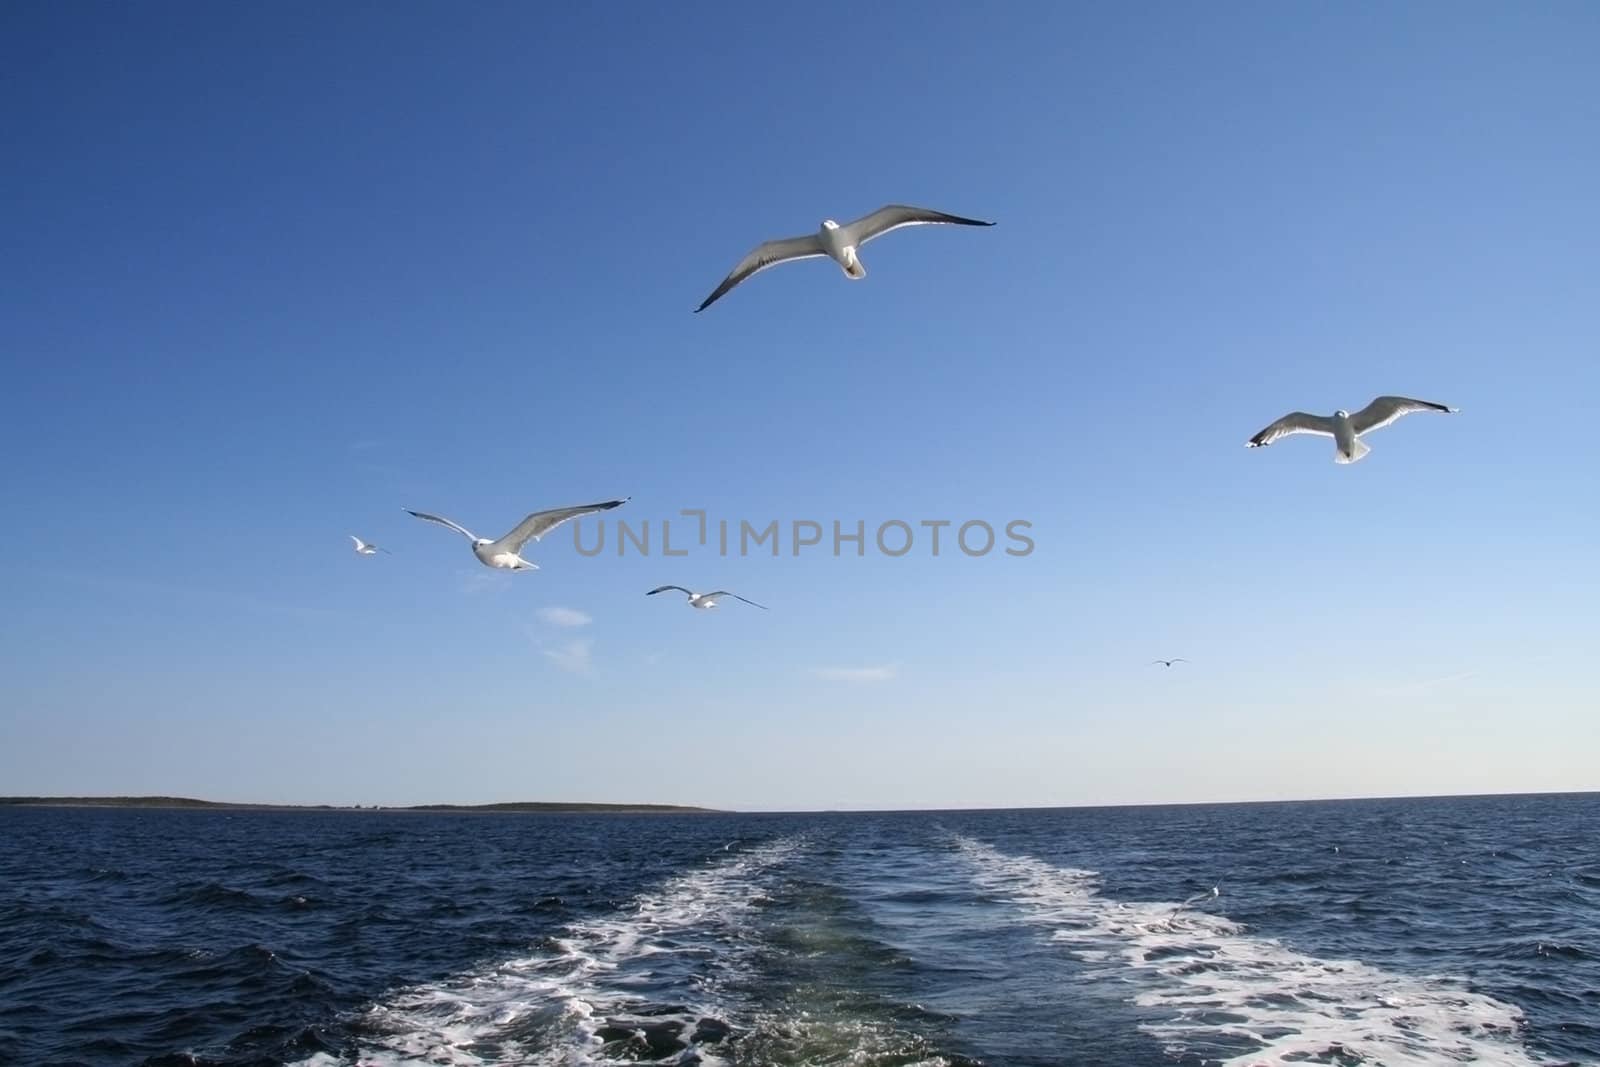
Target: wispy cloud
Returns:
[[1491, 669], [575, 657], [1427, 683], [570, 617], [482, 580], [170, 590], [856, 674]]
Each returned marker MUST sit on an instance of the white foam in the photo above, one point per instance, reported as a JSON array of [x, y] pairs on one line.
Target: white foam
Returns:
[[547, 1008], [1224, 993]]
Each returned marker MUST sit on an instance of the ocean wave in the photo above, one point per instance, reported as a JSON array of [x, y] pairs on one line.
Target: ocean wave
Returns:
[[1228, 997], [214, 895], [654, 981]]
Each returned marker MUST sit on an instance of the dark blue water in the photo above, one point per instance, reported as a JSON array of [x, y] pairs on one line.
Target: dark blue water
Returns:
[[1373, 932]]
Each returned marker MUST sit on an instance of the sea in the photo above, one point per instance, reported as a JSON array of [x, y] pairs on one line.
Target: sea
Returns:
[[1393, 932]]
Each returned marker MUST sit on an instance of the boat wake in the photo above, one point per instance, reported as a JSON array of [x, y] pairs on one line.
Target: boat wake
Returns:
[[656, 982], [1216, 992]]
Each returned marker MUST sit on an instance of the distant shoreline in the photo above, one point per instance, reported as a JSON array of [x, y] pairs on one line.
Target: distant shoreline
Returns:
[[513, 807], [535, 807]]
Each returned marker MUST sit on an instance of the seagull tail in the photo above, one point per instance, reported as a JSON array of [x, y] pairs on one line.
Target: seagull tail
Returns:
[[855, 271], [1361, 449]]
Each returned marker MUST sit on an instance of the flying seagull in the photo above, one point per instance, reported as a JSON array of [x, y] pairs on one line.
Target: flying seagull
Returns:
[[1167, 662], [1346, 429], [506, 553], [364, 549], [704, 600], [1210, 894], [838, 243]]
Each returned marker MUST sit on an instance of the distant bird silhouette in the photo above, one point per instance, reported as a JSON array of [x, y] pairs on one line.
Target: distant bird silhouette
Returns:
[[1210, 894], [1167, 662], [703, 600], [364, 549]]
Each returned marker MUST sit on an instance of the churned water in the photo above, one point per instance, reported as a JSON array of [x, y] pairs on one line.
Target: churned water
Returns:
[[1404, 932]]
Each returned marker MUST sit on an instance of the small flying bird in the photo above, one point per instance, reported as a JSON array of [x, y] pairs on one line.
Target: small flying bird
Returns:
[[1167, 662], [1210, 894], [838, 243], [1346, 429], [506, 552], [364, 549], [704, 600]]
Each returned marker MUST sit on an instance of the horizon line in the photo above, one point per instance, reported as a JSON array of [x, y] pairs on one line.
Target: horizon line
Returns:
[[510, 807]]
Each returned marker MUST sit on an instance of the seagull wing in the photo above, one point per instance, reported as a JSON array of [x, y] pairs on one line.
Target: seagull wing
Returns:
[[462, 530], [894, 216], [736, 596], [1386, 409], [540, 523], [1292, 423], [664, 588], [767, 254], [357, 540]]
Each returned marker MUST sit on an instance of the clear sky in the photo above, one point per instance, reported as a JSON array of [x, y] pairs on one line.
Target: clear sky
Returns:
[[273, 272]]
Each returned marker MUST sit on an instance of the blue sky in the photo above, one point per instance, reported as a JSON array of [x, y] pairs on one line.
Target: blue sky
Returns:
[[274, 273]]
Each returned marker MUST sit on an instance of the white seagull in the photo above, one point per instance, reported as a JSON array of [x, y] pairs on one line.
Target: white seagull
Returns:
[[704, 600], [1346, 429], [506, 553], [838, 243], [1167, 662], [1210, 894], [364, 549]]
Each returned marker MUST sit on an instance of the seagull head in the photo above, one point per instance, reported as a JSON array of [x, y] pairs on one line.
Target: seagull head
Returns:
[[1341, 414], [829, 224]]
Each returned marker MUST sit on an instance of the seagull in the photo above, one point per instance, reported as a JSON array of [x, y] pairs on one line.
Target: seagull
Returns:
[[506, 553], [364, 549], [1167, 662], [1210, 894], [1346, 429], [704, 600], [838, 243]]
